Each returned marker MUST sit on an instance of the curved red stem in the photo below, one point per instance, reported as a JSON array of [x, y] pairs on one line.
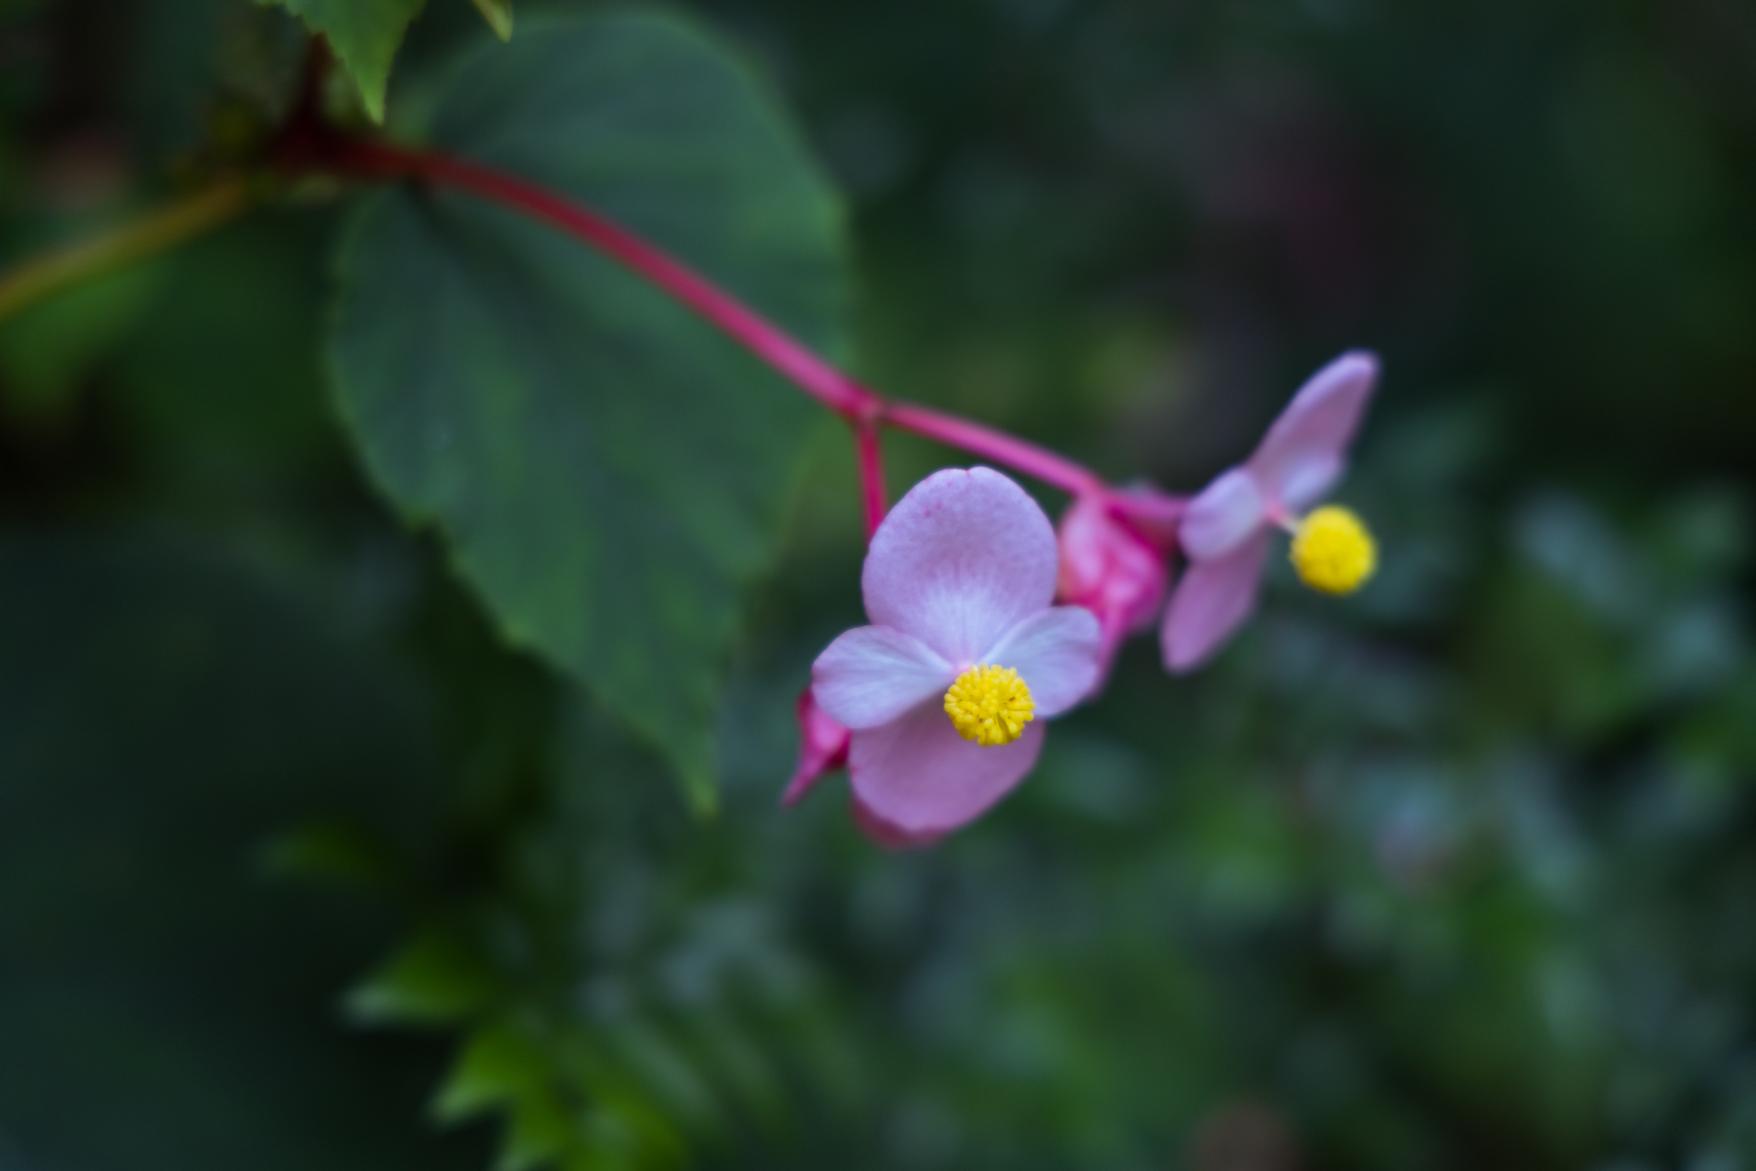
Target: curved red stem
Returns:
[[1019, 454], [871, 461]]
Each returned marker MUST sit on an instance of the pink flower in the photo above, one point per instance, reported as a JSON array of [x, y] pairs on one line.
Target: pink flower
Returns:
[[945, 694], [1225, 532], [1112, 569]]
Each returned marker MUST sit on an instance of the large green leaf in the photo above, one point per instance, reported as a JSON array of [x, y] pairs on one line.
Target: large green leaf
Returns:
[[364, 35], [609, 471]]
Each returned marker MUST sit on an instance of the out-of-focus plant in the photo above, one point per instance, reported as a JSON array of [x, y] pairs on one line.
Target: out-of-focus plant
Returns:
[[1452, 876]]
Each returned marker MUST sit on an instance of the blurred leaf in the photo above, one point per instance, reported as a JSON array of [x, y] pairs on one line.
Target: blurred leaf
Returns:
[[364, 35], [48, 350], [498, 1064], [498, 14], [211, 76], [340, 854], [221, 396], [435, 978], [610, 472], [537, 1133], [639, 1013]]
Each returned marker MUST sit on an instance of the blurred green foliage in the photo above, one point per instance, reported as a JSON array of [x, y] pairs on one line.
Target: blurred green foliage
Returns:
[[298, 859]]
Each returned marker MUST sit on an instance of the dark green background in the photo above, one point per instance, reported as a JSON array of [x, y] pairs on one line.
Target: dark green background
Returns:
[[1455, 874]]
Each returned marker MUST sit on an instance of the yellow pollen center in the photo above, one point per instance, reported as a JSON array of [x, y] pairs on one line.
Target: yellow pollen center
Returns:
[[1333, 551], [990, 705]]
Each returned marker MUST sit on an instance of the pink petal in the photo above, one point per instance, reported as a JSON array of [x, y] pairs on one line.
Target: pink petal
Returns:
[[920, 777], [885, 834], [1223, 516], [1058, 652], [873, 674], [823, 748], [1306, 447], [960, 560], [1210, 603]]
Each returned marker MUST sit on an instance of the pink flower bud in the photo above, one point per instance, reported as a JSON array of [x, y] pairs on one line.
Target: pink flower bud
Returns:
[[1112, 569]]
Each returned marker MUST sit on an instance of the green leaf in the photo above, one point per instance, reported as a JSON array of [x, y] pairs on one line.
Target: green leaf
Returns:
[[610, 472], [433, 979], [537, 1132], [364, 35], [499, 1064], [498, 14], [336, 854]]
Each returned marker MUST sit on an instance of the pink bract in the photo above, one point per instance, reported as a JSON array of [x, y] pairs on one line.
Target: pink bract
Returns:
[[823, 748], [1224, 532], [961, 573]]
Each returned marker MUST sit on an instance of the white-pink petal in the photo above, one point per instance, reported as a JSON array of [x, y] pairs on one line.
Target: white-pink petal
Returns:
[[1210, 603], [961, 559], [919, 776], [1305, 449], [885, 834], [873, 674], [1225, 515], [1058, 652]]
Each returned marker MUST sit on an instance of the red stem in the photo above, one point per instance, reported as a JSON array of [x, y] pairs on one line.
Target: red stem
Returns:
[[998, 446], [871, 461], [864, 409]]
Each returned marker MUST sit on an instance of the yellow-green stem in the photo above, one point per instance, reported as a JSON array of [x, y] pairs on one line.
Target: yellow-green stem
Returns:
[[163, 228]]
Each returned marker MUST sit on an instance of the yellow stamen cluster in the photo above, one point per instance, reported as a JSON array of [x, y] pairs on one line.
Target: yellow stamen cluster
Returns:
[[1333, 551], [990, 705]]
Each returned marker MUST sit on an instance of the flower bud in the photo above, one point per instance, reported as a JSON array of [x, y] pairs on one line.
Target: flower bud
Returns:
[[1110, 568]]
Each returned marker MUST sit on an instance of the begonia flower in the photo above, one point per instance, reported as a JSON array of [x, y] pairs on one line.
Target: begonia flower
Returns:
[[1112, 569], [946, 693], [1226, 531]]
